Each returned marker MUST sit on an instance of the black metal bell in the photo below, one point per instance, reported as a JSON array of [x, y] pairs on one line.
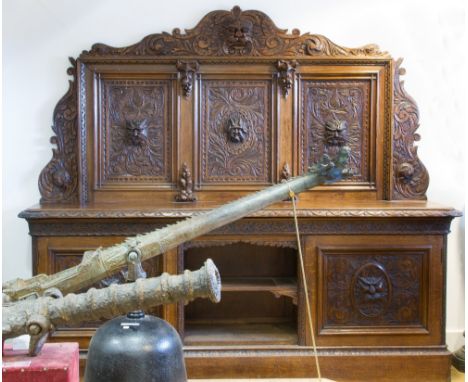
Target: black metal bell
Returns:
[[135, 348]]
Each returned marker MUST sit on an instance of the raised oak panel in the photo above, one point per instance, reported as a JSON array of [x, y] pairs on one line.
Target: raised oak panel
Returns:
[[336, 113], [236, 132], [373, 288], [135, 133]]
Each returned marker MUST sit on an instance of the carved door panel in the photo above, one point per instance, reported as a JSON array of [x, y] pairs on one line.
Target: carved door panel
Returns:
[[338, 107], [135, 131], [375, 289], [237, 131], [128, 130]]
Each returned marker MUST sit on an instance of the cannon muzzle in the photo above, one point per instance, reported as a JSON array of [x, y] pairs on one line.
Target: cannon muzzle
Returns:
[[39, 317]]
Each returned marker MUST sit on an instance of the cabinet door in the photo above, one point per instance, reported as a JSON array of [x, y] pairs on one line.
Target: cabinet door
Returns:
[[376, 290]]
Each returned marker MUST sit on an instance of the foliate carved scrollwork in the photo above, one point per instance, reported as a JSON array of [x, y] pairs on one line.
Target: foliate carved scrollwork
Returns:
[[410, 177], [136, 132], [187, 71], [335, 113], [384, 289], [236, 33], [286, 71], [58, 181], [236, 136], [186, 186]]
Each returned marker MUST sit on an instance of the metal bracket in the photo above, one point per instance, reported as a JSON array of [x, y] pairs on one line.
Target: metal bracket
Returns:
[[135, 269]]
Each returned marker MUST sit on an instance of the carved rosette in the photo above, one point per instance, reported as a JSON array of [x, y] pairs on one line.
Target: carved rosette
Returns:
[[186, 186], [187, 72], [236, 33], [410, 177], [58, 181]]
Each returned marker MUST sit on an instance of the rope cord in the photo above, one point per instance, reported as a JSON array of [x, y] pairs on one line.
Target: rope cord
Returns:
[[304, 283]]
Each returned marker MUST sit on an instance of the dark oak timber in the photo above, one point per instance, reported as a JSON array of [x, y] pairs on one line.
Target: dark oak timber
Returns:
[[180, 123]]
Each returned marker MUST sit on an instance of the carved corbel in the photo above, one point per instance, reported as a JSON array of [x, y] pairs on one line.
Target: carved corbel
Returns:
[[186, 186], [187, 71], [286, 70], [285, 174], [410, 177]]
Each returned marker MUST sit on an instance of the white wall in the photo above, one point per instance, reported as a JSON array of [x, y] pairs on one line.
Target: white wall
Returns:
[[39, 35]]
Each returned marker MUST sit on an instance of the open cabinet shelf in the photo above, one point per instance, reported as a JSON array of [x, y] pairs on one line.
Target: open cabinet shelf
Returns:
[[259, 297], [229, 334]]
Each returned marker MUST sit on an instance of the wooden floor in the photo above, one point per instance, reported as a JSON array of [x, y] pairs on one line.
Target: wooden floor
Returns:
[[456, 377]]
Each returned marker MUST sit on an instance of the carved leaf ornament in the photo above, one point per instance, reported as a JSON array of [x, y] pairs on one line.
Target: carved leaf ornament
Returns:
[[236, 33], [233, 33]]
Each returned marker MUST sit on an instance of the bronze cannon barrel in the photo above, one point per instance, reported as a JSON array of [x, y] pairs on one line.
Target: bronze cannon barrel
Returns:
[[28, 316], [104, 262]]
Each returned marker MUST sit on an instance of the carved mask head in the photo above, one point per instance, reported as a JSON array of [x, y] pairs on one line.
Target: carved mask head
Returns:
[[236, 128], [237, 37], [137, 131], [61, 177], [335, 132]]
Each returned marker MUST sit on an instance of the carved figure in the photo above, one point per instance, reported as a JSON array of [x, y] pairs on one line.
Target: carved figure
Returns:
[[187, 71], [335, 132], [137, 132], [286, 71], [236, 128], [186, 188], [237, 33]]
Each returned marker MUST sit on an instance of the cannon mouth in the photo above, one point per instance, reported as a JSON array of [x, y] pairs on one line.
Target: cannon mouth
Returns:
[[214, 280]]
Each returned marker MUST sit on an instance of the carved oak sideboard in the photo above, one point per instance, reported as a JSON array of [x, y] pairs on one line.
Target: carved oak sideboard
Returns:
[[180, 123]]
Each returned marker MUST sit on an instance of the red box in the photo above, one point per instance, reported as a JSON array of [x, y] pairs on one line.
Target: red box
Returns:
[[57, 362]]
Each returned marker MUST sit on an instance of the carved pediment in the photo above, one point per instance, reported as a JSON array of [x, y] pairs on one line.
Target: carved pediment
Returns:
[[236, 33]]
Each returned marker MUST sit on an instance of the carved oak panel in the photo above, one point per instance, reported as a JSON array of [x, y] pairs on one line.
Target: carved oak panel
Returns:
[[334, 114], [236, 134], [136, 135], [365, 289]]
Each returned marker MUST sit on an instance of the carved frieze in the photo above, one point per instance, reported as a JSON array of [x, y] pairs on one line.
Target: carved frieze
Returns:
[[410, 177], [366, 290], [136, 131], [236, 137], [236, 33], [58, 181], [334, 114]]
